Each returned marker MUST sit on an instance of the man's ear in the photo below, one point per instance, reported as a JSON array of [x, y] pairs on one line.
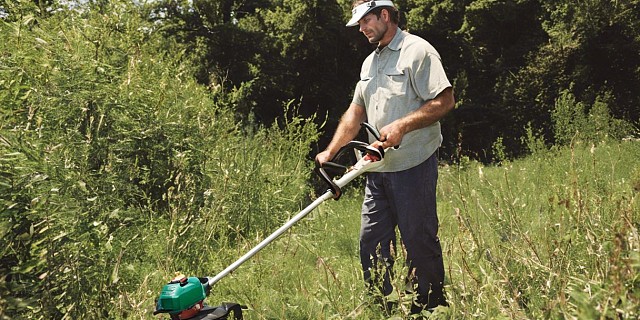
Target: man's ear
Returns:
[[385, 15]]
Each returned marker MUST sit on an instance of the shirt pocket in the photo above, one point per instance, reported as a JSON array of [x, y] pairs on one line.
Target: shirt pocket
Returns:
[[366, 88], [395, 81]]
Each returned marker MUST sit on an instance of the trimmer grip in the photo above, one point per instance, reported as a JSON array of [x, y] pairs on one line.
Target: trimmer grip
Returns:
[[365, 148], [337, 192]]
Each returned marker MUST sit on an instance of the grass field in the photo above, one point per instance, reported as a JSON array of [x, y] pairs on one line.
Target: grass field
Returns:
[[553, 236]]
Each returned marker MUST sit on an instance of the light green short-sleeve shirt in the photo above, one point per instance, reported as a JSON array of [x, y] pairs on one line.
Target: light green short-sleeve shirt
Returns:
[[395, 81]]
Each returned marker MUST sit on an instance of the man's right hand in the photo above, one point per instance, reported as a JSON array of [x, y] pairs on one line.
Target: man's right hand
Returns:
[[322, 157]]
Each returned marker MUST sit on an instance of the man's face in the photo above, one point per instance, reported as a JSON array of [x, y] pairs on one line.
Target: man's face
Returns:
[[372, 27]]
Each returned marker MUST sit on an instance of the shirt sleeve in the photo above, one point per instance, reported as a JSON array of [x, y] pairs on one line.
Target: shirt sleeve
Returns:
[[358, 94], [429, 76]]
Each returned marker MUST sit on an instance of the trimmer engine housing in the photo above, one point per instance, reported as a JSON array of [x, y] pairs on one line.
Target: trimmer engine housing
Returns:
[[182, 294]]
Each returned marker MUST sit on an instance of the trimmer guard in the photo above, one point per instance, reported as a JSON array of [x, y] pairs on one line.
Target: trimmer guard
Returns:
[[180, 295], [220, 313]]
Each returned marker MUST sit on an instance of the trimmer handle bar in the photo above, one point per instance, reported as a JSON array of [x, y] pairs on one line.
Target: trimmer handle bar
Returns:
[[365, 149], [373, 153]]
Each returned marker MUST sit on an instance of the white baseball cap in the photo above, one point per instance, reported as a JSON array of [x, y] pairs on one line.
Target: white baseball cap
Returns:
[[362, 9]]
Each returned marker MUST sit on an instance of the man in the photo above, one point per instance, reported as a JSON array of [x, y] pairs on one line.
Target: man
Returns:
[[403, 91]]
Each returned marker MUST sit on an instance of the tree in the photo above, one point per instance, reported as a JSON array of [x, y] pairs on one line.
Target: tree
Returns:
[[593, 50], [319, 59], [508, 60]]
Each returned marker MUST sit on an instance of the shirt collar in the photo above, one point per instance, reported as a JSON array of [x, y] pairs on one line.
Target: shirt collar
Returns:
[[396, 42]]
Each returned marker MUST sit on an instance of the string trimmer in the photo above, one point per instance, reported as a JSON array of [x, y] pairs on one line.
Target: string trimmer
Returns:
[[183, 297]]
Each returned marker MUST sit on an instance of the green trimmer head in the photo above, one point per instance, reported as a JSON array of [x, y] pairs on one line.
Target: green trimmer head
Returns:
[[182, 294], [183, 298]]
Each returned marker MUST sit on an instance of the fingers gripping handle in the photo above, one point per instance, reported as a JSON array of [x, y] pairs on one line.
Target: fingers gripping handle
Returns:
[[375, 132], [374, 156]]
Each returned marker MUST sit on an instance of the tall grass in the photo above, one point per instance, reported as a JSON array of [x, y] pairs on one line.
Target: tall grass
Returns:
[[552, 236], [547, 237]]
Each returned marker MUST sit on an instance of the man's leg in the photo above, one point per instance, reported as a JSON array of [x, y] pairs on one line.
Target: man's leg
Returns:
[[377, 235], [412, 195]]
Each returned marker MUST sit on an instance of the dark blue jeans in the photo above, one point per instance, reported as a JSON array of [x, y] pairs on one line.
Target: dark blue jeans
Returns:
[[407, 200]]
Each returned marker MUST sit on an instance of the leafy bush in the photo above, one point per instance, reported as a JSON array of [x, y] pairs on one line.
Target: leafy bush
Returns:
[[573, 120], [115, 164], [534, 140]]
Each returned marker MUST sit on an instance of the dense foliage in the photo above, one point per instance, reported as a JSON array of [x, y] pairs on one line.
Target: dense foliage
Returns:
[[509, 60], [138, 139], [110, 153]]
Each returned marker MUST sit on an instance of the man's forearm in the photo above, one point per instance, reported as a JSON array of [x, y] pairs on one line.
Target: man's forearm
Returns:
[[426, 115], [430, 112], [348, 127]]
